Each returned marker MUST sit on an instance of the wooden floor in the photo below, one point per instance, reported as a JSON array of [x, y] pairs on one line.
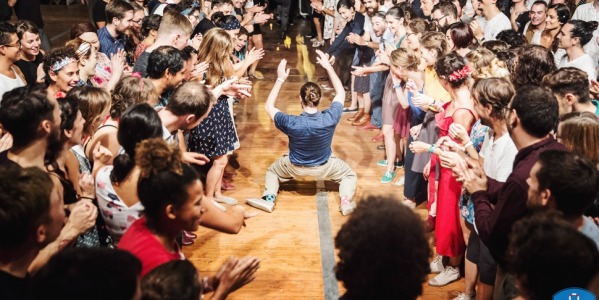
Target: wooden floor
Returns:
[[287, 240]]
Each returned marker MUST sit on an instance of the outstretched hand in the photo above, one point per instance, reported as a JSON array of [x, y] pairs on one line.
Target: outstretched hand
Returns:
[[323, 59], [282, 70]]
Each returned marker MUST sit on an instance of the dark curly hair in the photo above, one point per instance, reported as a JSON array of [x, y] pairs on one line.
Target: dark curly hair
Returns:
[[383, 251], [55, 56], [544, 248], [533, 63], [512, 38]]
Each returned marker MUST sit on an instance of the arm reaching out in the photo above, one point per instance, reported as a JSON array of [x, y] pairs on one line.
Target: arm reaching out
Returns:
[[282, 73], [324, 61]]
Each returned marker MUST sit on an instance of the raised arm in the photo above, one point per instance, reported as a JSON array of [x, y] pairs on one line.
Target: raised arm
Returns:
[[324, 60], [282, 73]]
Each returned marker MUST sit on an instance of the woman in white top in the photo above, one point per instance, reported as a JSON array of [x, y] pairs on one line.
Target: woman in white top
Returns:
[[116, 185], [572, 38]]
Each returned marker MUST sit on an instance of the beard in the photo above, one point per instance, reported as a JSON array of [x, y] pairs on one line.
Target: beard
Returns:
[[54, 145]]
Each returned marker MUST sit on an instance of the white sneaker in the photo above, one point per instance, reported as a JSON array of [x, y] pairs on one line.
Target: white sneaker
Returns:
[[409, 203], [347, 207], [449, 275], [400, 182], [225, 200], [219, 206], [462, 296], [261, 204], [437, 264]]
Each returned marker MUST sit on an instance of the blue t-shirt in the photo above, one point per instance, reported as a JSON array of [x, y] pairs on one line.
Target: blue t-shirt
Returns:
[[310, 135]]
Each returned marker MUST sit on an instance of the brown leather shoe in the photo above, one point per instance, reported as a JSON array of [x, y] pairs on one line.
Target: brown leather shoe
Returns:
[[365, 119], [378, 138], [367, 127], [357, 115]]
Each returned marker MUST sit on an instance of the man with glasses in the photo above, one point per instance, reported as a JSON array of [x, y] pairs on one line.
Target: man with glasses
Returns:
[[10, 51], [444, 14], [530, 118]]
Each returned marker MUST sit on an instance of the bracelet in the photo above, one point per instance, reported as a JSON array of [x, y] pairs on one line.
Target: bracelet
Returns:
[[468, 145], [431, 149], [88, 198], [281, 80]]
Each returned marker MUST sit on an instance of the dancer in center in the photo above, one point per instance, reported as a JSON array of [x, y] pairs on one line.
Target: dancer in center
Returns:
[[310, 137]]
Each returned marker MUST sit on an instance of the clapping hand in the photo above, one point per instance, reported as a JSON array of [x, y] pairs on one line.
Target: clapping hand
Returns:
[[458, 132], [323, 59], [282, 70]]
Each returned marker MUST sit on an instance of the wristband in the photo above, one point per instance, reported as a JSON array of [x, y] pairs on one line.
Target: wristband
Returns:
[[431, 149], [468, 145], [280, 80]]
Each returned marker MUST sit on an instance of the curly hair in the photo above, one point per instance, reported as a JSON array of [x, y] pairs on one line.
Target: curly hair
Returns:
[[383, 251], [533, 63], [543, 248], [56, 56], [131, 90], [163, 179]]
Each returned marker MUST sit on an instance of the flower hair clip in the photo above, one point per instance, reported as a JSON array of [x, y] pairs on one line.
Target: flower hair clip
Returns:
[[60, 64], [459, 74]]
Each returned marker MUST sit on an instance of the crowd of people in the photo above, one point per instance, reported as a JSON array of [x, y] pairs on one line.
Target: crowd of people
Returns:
[[114, 147]]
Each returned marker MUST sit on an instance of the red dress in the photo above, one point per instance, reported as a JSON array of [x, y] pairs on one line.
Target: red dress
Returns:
[[448, 231]]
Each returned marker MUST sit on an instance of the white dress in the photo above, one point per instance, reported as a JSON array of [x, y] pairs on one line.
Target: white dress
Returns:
[[116, 214]]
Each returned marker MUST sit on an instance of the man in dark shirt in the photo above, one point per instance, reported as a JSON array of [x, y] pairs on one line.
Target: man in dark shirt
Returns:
[[33, 120], [310, 137], [31, 217], [532, 115]]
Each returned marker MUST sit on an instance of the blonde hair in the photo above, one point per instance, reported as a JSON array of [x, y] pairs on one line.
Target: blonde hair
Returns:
[[579, 133], [405, 59], [175, 23], [215, 49], [131, 90], [486, 64], [437, 41]]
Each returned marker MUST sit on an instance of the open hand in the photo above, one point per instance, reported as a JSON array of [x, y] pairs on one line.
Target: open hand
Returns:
[[282, 70]]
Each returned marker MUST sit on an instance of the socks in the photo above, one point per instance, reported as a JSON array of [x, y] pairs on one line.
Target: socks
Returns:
[[269, 197]]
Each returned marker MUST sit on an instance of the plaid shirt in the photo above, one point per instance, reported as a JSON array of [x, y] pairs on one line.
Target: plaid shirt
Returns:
[[108, 44]]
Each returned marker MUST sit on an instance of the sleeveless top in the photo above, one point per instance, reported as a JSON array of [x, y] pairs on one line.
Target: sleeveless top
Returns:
[[8, 84]]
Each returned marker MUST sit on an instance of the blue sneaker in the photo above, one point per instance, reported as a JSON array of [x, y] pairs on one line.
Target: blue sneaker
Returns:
[[388, 177], [383, 163]]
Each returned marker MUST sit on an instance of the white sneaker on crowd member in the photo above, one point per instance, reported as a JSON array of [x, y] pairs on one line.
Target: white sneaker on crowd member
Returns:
[[437, 264], [462, 296], [447, 276], [346, 206]]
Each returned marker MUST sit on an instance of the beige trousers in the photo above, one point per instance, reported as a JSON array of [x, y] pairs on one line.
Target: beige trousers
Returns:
[[335, 169]]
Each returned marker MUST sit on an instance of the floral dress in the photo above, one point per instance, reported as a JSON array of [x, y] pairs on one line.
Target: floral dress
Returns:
[[477, 136]]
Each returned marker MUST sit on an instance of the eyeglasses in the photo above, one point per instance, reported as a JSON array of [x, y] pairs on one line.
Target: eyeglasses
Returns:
[[439, 19], [16, 45]]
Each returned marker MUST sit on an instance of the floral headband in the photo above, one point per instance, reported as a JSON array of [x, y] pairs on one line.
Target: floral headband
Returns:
[[60, 64], [459, 74]]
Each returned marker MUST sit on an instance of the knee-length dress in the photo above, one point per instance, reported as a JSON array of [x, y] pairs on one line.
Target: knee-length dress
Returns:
[[448, 231], [215, 136]]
